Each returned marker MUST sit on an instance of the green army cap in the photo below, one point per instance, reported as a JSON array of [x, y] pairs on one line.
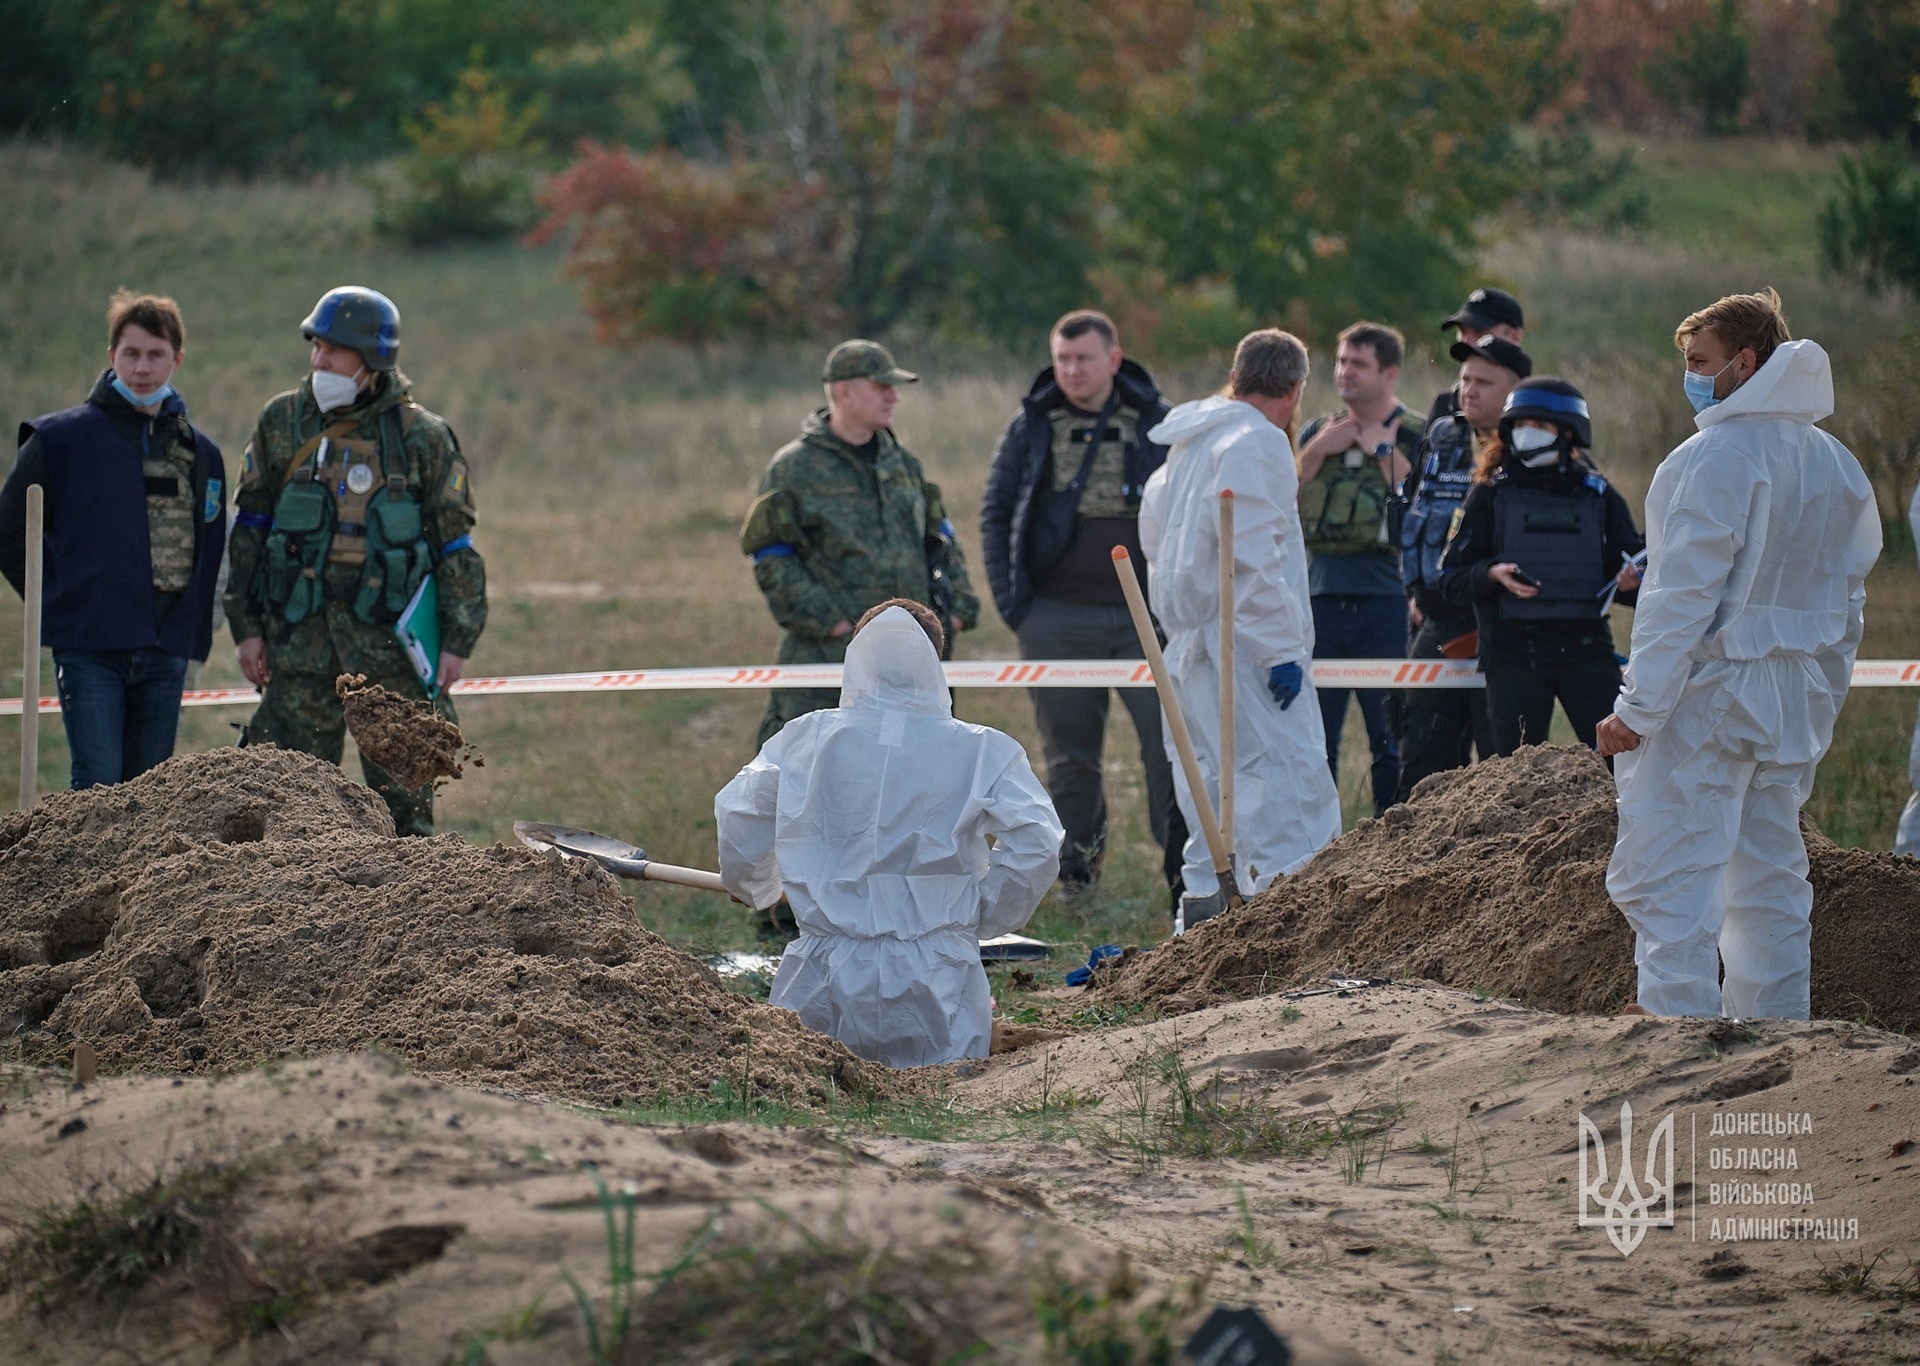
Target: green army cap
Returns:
[[864, 360]]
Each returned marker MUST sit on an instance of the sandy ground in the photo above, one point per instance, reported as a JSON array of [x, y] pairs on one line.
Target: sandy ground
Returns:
[[1418, 1263], [478, 1201], [1462, 1245]]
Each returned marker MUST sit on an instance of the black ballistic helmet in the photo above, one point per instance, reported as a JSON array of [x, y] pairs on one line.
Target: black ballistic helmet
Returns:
[[1547, 398], [360, 319]]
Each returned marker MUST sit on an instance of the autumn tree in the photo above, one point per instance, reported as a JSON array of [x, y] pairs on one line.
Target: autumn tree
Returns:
[[1328, 159]]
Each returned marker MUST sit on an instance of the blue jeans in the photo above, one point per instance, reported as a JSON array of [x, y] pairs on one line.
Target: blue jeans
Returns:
[[121, 709], [1351, 627]]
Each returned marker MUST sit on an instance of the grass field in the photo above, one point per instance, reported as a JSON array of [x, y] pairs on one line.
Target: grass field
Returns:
[[610, 482]]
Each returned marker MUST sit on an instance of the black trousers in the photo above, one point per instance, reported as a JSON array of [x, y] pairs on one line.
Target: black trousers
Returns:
[[1442, 726], [1520, 696], [1073, 729]]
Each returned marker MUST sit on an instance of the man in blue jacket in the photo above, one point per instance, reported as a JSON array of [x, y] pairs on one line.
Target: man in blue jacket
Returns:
[[136, 528], [1064, 490]]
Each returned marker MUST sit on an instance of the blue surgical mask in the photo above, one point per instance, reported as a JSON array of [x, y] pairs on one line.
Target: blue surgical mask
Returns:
[[140, 400], [1700, 387]]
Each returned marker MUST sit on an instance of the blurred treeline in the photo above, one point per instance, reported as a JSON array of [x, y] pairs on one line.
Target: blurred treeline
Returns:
[[973, 167]]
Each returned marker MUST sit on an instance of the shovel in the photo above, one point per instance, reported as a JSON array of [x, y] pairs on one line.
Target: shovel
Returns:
[[631, 862], [616, 856]]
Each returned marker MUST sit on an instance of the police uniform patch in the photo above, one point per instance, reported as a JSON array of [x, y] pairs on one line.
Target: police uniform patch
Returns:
[[1453, 528], [210, 505]]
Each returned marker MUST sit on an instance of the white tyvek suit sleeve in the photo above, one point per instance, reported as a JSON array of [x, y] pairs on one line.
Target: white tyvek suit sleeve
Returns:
[[1837, 663], [1153, 513], [743, 813], [1699, 531], [1270, 622], [1026, 849]]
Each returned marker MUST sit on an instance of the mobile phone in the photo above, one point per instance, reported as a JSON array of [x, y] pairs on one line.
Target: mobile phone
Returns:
[[1522, 576]]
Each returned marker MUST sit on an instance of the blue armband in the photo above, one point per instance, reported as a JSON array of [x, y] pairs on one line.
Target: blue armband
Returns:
[[946, 527], [457, 543], [258, 519], [778, 548]]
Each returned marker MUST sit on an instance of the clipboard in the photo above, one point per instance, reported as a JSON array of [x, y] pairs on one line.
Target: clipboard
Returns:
[[418, 632]]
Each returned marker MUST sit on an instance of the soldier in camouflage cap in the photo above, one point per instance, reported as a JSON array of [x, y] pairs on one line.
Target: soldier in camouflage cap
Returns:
[[846, 519], [350, 494]]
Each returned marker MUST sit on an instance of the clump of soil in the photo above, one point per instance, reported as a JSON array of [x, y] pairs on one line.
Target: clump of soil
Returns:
[[501, 967], [1494, 877], [403, 735]]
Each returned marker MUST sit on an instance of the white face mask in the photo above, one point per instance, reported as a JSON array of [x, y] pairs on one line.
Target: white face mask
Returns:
[[332, 391], [1536, 446]]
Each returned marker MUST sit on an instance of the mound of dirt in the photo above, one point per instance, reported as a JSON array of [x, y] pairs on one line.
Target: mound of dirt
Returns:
[[193, 950], [404, 736], [1494, 877]]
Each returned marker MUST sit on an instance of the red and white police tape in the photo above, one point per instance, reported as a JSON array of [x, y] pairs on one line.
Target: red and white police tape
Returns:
[[975, 673]]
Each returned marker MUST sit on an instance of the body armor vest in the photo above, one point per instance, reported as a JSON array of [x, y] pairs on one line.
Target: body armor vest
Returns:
[[335, 510], [1445, 476], [1558, 538]]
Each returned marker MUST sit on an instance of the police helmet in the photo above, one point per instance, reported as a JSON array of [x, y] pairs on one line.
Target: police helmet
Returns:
[[360, 319], [1546, 398]]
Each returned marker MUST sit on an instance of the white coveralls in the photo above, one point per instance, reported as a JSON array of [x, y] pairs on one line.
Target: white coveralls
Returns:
[[1286, 806], [873, 819], [1906, 839], [1760, 532]]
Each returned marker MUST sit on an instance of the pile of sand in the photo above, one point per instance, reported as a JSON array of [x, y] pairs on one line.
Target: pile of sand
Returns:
[[403, 735], [247, 904], [1494, 877]]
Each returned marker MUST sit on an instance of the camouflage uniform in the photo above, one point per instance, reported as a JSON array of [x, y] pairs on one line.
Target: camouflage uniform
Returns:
[[833, 532], [300, 710]]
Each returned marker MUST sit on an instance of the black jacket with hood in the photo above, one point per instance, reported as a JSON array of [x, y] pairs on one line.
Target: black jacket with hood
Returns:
[[1019, 473]]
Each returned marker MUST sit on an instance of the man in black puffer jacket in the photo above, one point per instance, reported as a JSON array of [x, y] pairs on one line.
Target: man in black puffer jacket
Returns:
[[1064, 490]]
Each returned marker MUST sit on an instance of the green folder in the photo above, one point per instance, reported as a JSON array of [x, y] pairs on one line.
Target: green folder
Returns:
[[418, 632]]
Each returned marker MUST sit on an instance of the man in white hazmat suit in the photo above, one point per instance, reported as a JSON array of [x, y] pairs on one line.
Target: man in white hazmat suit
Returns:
[[1760, 532], [1286, 806], [873, 819]]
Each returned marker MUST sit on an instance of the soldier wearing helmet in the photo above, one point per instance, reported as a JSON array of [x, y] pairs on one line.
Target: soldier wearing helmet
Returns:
[[1541, 550], [351, 495]]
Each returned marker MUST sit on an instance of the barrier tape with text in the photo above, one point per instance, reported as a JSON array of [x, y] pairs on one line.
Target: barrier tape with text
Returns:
[[972, 673]]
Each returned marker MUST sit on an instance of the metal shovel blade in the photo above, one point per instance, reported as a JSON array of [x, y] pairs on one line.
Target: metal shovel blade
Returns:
[[616, 856]]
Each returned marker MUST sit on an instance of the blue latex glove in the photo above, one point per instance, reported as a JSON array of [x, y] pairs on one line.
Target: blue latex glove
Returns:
[[1283, 681]]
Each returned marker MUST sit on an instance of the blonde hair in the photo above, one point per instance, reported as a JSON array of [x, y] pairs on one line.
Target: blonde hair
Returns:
[[1739, 322]]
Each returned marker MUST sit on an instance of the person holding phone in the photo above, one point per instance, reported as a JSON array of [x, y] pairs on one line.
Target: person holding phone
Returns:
[[1540, 550]]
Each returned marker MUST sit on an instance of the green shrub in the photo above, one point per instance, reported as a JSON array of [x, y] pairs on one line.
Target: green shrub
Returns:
[[468, 175], [1870, 228]]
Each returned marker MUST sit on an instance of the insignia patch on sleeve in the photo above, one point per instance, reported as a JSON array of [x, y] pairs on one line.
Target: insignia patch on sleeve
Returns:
[[210, 508]]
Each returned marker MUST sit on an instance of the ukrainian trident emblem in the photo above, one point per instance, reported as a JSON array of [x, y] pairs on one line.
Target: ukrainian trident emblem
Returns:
[[1626, 1208]]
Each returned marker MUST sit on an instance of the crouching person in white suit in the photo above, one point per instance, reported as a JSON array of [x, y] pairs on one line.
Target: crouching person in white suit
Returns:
[[1760, 531], [1286, 805], [873, 819]]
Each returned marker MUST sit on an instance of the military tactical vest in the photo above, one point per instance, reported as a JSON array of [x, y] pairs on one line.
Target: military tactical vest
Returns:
[[1445, 476], [1343, 508], [334, 510], [1559, 539]]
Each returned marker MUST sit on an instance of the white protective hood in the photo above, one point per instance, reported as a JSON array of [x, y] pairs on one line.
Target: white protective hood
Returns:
[[1760, 531], [873, 819], [1285, 802]]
